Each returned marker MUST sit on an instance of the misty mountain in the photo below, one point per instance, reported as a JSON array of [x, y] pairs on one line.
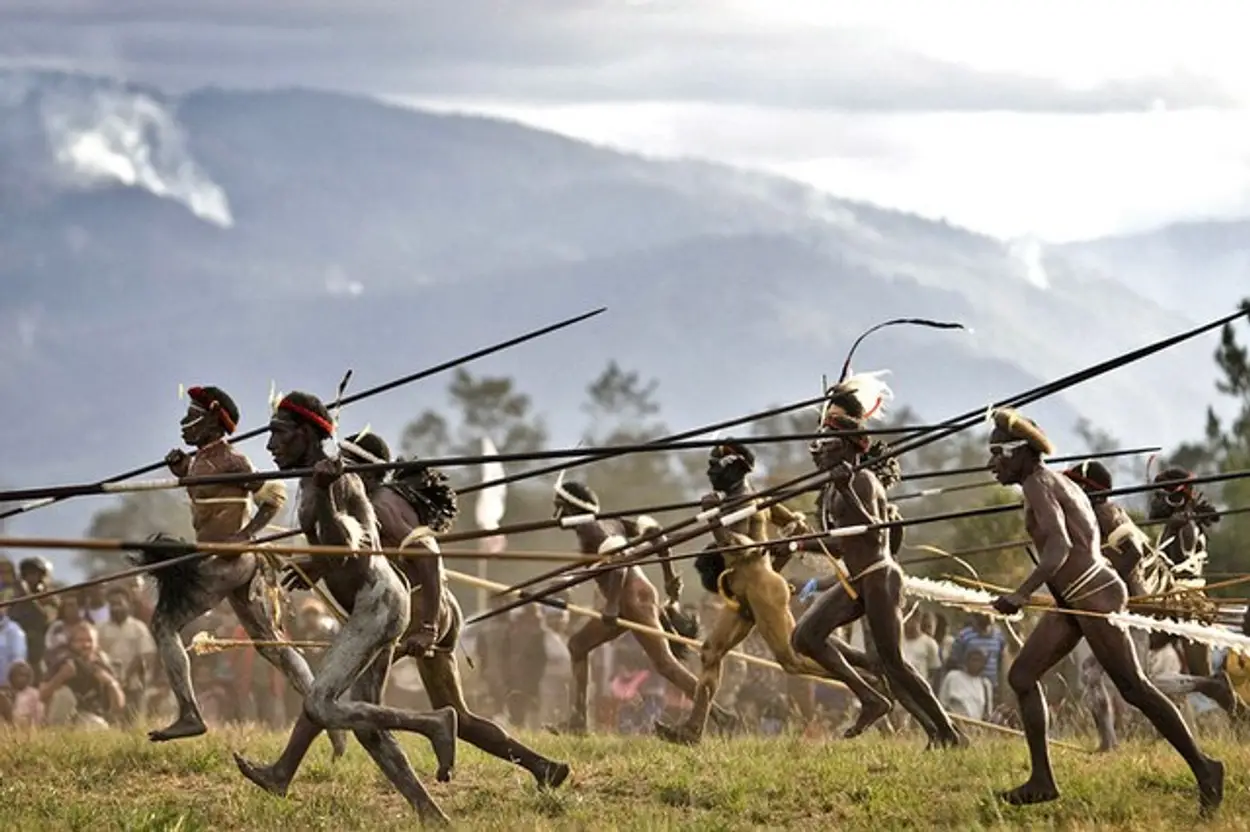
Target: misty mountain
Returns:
[[237, 238], [1201, 267]]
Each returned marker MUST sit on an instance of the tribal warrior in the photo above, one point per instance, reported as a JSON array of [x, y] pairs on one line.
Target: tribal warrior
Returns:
[[219, 514], [412, 506], [873, 589], [334, 509], [1064, 529], [1145, 571], [748, 578], [630, 596], [1183, 541]]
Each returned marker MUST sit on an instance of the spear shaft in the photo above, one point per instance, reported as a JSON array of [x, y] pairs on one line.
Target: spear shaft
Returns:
[[728, 515], [355, 397]]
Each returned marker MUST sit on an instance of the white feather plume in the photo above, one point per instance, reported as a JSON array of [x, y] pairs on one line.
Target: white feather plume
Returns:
[[952, 595], [1192, 630], [979, 601], [869, 390]]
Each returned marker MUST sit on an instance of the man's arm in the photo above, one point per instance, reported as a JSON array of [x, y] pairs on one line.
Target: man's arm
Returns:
[[269, 496], [344, 514], [643, 525], [57, 681], [1050, 523]]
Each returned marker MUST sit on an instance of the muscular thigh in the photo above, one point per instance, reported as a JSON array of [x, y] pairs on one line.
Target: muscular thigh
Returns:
[[1054, 638], [221, 575], [831, 610]]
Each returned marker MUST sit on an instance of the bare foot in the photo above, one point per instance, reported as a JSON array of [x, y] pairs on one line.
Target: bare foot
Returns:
[[1224, 695], [338, 742], [678, 736], [444, 742], [1211, 787], [185, 726], [262, 776], [869, 712], [1030, 793], [551, 774]]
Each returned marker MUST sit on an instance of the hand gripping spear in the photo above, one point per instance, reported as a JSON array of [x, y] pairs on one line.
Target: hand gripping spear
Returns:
[[364, 394], [737, 510]]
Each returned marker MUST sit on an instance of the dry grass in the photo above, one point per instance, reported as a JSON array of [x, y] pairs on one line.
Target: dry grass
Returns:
[[96, 781]]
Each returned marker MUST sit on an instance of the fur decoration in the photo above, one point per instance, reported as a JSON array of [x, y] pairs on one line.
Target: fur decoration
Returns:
[[179, 587], [1018, 426], [429, 493]]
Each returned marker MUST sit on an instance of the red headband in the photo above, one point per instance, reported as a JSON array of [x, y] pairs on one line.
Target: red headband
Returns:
[[319, 421], [201, 397], [1076, 476], [836, 420]]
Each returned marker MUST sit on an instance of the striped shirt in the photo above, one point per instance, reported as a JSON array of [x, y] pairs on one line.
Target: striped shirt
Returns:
[[990, 644]]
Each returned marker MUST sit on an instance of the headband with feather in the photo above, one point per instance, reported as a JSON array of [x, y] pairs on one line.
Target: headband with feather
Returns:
[[866, 392]]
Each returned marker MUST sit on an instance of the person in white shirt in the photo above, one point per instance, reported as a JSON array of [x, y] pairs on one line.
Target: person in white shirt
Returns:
[[920, 650], [965, 691], [130, 648]]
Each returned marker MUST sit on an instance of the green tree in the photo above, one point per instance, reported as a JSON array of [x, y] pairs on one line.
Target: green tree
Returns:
[[135, 517], [487, 406]]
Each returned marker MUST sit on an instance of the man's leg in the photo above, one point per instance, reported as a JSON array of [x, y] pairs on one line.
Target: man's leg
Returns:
[[596, 633], [441, 677], [882, 603], [1114, 651], [811, 638], [289, 662], [647, 613], [727, 633], [168, 621], [1053, 639]]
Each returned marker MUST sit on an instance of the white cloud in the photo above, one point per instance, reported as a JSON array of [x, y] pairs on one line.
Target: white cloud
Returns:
[[1058, 177]]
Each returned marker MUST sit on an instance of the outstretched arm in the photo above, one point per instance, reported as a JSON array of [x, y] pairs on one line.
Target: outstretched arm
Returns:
[[672, 581]]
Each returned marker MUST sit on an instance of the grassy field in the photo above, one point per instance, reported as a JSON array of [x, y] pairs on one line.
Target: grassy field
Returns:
[[58, 780]]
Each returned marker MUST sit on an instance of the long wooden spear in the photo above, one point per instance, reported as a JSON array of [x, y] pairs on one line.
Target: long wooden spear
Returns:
[[970, 486], [1022, 542], [736, 510], [61, 492], [355, 397]]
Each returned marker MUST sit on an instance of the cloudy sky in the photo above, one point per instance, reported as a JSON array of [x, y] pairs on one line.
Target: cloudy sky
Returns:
[[1061, 120]]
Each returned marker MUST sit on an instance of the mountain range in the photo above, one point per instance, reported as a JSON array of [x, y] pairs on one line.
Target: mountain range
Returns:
[[239, 238]]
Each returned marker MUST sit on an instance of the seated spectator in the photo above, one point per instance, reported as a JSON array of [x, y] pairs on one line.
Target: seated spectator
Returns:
[[966, 690], [68, 614], [80, 688]]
